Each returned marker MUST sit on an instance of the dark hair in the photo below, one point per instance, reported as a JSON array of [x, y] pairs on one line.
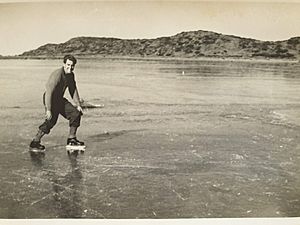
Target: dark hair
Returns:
[[70, 57]]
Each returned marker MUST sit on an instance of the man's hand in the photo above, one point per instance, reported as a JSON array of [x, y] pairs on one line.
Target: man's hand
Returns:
[[48, 115], [80, 109]]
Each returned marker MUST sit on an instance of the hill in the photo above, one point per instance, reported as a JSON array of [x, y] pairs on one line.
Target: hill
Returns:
[[186, 44]]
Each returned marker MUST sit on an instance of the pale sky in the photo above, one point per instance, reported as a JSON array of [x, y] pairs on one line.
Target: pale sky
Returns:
[[27, 25]]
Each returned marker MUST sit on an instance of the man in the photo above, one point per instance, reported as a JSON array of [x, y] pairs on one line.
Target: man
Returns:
[[56, 104]]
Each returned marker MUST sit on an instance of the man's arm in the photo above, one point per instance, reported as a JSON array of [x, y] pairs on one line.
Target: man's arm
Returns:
[[76, 97], [76, 100], [75, 94], [50, 86]]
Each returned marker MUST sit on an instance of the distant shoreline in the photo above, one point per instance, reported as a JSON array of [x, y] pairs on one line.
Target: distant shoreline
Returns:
[[228, 59]]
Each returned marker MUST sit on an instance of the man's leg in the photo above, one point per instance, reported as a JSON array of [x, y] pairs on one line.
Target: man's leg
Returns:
[[48, 124], [44, 129], [36, 142], [39, 136], [73, 131], [74, 116]]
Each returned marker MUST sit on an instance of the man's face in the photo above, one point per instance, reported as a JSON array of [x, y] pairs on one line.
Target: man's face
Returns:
[[69, 66]]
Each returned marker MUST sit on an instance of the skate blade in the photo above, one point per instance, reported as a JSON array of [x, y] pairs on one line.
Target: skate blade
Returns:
[[72, 148], [35, 150]]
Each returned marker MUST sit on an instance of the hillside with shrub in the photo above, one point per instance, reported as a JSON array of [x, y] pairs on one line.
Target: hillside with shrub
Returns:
[[192, 44]]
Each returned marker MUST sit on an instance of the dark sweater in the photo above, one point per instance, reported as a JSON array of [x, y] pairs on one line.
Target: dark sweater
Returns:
[[56, 86]]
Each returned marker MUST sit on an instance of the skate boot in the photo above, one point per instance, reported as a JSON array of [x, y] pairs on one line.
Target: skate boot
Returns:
[[35, 146], [75, 145]]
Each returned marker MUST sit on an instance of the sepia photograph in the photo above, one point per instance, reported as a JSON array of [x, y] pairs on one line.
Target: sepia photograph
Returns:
[[123, 111]]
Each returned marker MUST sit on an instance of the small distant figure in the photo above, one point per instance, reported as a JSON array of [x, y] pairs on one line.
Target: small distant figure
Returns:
[[182, 73], [56, 104]]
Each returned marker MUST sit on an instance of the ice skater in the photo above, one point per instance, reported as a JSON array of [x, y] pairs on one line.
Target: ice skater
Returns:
[[56, 104]]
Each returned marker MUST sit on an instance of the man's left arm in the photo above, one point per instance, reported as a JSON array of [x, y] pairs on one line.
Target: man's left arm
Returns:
[[76, 100], [75, 94]]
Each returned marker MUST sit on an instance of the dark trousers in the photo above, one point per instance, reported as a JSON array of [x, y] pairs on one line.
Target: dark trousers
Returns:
[[64, 108]]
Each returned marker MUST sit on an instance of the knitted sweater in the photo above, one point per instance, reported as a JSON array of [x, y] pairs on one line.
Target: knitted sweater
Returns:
[[56, 86]]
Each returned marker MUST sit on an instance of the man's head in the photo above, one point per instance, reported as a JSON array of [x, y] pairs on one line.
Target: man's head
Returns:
[[69, 63]]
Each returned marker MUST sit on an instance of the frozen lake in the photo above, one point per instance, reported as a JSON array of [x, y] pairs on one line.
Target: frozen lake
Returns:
[[175, 139]]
